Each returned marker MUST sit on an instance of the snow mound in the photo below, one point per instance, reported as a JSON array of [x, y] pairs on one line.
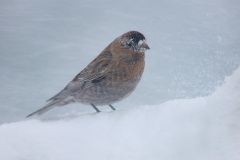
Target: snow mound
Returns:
[[204, 128]]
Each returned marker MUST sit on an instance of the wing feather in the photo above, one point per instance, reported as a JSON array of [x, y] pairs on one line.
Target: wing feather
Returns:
[[92, 73]]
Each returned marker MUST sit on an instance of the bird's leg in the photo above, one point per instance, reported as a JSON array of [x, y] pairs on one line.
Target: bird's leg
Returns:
[[112, 107], [97, 110]]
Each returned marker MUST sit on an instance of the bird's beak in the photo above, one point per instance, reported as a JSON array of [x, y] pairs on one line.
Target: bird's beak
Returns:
[[144, 45]]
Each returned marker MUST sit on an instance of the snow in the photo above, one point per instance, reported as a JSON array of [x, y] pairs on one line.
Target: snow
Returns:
[[185, 107], [201, 128]]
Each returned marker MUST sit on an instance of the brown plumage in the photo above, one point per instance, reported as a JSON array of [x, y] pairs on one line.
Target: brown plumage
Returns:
[[110, 77]]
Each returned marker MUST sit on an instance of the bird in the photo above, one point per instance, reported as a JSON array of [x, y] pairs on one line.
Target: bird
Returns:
[[111, 77]]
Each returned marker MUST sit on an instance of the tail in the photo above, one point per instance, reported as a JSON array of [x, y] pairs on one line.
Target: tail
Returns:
[[46, 108], [52, 104]]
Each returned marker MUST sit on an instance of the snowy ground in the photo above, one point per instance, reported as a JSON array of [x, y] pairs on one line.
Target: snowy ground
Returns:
[[182, 109]]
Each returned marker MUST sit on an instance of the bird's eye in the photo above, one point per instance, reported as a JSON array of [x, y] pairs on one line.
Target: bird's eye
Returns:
[[130, 43]]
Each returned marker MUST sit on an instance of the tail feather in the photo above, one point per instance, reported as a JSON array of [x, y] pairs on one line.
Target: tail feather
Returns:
[[52, 104], [46, 108]]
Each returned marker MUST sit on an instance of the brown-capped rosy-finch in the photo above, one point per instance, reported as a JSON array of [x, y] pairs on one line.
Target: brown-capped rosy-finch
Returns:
[[110, 77]]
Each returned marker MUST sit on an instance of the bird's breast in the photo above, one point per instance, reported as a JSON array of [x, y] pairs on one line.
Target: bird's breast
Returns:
[[128, 70]]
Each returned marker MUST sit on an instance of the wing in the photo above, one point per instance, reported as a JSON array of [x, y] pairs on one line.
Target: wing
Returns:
[[93, 73], [96, 68]]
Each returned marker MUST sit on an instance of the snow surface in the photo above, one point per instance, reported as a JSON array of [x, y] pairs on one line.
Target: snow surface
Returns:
[[181, 110], [204, 128]]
